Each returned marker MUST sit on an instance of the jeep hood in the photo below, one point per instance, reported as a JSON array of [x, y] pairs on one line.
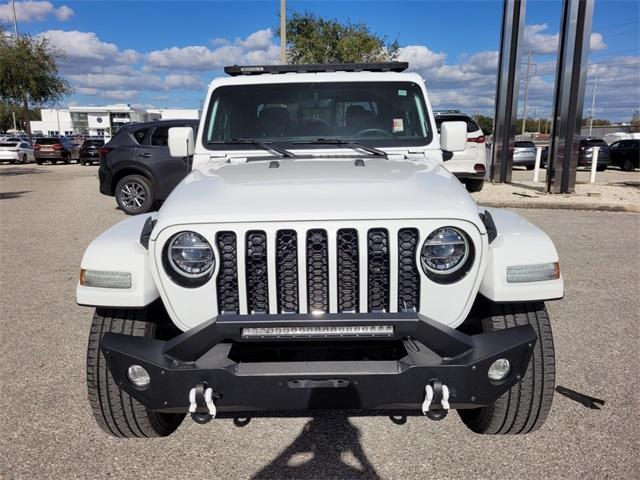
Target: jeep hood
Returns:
[[317, 189]]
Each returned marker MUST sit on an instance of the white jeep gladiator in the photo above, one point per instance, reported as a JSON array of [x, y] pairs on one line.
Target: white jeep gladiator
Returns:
[[319, 256]]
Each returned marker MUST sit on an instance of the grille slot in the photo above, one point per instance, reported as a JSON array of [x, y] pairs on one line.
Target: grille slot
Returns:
[[227, 281], [378, 270], [348, 270], [256, 269], [408, 275], [317, 271], [287, 271]]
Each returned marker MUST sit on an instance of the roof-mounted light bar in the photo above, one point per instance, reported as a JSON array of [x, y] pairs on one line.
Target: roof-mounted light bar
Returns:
[[237, 70]]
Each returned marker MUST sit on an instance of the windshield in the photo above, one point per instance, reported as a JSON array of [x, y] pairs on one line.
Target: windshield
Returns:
[[378, 113]]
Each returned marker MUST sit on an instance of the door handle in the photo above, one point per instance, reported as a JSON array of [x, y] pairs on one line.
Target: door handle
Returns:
[[144, 155]]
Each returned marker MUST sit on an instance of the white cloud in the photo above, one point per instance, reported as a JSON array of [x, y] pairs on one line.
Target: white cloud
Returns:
[[34, 11], [119, 94], [420, 57], [183, 81], [86, 49], [596, 42], [539, 42], [256, 48]]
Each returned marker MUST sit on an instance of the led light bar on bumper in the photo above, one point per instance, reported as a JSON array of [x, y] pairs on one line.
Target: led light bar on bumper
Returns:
[[105, 279], [320, 332], [533, 273]]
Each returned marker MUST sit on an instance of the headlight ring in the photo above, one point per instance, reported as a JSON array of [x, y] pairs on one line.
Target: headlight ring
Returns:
[[188, 259], [446, 255]]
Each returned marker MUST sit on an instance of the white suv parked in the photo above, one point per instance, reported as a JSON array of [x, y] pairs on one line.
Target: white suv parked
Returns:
[[319, 256], [470, 165]]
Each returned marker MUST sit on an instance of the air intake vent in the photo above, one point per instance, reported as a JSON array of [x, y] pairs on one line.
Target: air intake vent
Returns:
[[227, 281], [408, 275], [257, 277], [348, 270], [378, 268], [317, 271], [287, 271]]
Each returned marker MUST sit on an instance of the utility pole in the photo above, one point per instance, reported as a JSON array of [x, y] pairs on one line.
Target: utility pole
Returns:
[[283, 32], [593, 101], [15, 19], [526, 93]]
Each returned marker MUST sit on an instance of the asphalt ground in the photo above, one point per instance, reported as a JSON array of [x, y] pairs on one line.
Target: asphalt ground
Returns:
[[49, 214]]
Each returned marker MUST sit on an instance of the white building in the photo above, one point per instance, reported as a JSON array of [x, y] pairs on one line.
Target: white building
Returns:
[[177, 113], [93, 121]]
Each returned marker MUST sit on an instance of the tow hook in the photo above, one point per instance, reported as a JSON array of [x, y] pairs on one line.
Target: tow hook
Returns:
[[201, 406], [436, 400]]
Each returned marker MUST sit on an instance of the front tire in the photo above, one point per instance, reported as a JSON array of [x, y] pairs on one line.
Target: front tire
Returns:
[[474, 185], [627, 166], [116, 412], [134, 194], [525, 407]]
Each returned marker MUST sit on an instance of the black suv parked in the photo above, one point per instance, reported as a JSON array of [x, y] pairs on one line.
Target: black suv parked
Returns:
[[136, 168], [625, 154], [90, 150]]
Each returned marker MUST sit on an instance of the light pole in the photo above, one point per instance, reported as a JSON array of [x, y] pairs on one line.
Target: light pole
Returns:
[[283, 32], [526, 93], [593, 101]]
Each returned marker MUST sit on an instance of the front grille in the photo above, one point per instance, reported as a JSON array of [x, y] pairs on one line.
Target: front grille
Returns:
[[378, 270], [317, 271], [287, 271], [227, 280], [299, 271], [257, 273]]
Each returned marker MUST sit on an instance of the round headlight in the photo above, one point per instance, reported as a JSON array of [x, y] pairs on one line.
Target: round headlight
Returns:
[[444, 251], [190, 255]]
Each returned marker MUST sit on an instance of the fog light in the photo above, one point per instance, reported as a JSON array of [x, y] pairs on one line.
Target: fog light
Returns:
[[499, 369], [138, 376]]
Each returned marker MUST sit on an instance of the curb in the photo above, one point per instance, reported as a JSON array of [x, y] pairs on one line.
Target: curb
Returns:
[[597, 207]]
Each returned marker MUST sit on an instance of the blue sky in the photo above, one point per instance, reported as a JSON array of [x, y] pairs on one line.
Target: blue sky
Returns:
[[163, 53]]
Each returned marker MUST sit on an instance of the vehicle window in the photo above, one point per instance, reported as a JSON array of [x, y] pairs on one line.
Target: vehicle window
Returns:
[[48, 141], [471, 125], [93, 143], [8, 144], [525, 144], [160, 137], [25, 145], [378, 113], [594, 143], [139, 135]]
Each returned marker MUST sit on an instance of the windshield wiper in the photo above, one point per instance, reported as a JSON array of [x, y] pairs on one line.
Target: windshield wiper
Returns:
[[256, 143], [344, 143]]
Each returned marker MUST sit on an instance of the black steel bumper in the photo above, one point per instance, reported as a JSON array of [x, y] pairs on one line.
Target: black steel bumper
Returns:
[[433, 352]]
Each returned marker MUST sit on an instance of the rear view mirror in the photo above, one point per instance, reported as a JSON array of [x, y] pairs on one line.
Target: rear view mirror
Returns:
[[181, 142], [453, 136]]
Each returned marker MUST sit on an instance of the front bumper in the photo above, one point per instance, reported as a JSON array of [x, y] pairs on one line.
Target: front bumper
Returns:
[[433, 352], [13, 156]]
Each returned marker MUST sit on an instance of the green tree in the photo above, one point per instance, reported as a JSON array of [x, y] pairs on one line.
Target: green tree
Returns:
[[313, 39], [485, 123], [597, 122], [29, 73], [7, 113]]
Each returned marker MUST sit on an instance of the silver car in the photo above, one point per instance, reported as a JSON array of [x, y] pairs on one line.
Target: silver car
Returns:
[[524, 155]]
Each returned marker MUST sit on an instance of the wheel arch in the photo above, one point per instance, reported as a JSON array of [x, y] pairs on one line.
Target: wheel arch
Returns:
[[131, 168], [518, 242], [119, 249]]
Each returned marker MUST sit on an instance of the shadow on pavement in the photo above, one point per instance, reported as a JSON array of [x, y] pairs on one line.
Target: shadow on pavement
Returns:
[[9, 195], [328, 447], [586, 400], [11, 172]]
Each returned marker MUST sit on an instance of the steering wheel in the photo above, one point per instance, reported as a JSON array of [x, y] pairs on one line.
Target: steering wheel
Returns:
[[373, 130]]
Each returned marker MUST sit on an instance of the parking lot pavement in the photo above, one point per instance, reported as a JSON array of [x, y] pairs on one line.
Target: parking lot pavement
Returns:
[[49, 214], [611, 175]]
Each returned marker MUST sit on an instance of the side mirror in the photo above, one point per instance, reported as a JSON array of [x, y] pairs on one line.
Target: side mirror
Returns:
[[453, 136], [181, 143]]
